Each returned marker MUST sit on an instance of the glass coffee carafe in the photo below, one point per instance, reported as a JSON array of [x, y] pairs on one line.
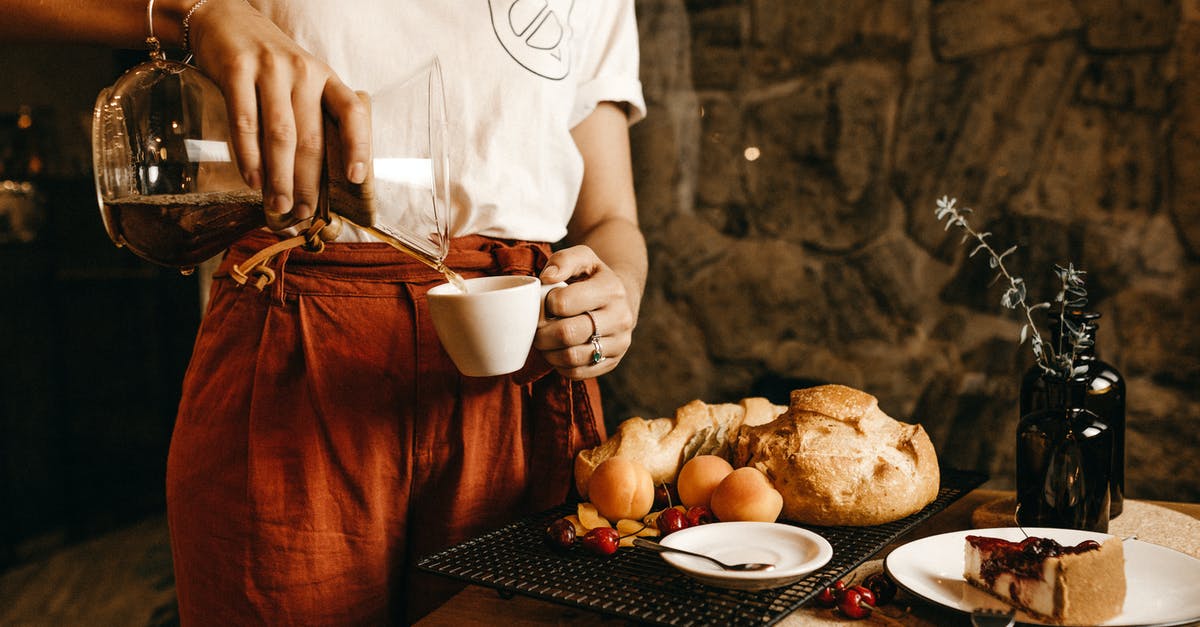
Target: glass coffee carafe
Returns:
[[170, 190], [168, 186]]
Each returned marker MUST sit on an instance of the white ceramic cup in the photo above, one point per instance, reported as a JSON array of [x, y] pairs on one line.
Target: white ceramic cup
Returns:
[[488, 330]]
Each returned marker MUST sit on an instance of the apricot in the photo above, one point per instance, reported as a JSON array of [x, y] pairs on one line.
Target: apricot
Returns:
[[699, 477], [746, 494], [621, 488]]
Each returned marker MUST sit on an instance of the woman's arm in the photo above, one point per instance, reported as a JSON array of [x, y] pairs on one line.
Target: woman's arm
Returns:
[[115, 23], [275, 91], [609, 254]]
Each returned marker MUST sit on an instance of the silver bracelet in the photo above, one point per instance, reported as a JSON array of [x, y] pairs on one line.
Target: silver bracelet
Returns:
[[187, 24]]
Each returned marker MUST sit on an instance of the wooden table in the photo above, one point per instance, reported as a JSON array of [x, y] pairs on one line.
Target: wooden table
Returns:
[[478, 605]]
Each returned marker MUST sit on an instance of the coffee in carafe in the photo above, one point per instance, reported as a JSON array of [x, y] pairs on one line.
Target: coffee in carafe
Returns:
[[183, 230]]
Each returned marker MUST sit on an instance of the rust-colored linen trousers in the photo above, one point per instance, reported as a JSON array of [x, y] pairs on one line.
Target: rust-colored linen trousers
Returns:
[[325, 441]]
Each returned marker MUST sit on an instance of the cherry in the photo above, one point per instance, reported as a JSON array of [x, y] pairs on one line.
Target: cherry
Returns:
[[852, 604], [561, 534], [700, 515], [828, 597], [602, 540], [882, 586], [867, 595], [670, 521], [665, 496]]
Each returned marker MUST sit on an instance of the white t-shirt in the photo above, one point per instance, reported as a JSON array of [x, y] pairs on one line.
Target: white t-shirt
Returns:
[[518, 75]]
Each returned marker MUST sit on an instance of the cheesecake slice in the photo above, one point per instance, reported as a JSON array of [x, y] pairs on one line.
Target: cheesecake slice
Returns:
[[1067, 585]]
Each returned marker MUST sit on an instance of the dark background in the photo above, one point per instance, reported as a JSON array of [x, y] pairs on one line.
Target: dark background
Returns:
[[93, 341]]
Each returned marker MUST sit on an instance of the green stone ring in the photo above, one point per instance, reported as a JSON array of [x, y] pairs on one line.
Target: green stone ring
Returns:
[[597, 350]]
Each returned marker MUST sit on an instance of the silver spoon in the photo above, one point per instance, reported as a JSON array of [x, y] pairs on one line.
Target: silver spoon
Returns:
[[654, 546]]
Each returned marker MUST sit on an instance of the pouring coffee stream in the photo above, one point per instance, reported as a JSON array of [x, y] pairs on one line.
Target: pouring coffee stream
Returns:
[[389, 238]]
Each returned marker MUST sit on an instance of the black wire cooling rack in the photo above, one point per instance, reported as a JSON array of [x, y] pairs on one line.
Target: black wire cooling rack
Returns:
[[640, 586]]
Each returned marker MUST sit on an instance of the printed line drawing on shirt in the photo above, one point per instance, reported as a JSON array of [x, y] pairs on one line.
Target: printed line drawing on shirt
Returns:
[[536, 34]]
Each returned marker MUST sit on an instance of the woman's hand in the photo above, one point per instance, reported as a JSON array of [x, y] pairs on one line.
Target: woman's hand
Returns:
[[596, 305], [276, 93], [608, 266]]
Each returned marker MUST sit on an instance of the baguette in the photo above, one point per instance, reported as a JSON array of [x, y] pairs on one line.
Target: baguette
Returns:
[[662, 445]]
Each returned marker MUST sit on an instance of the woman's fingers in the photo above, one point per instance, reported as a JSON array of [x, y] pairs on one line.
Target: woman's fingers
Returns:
[[354, 127], [277, 95], [594, 356], [591, 320], [310, 149], [241, 100], [570, 263], [568, 333], [560, 333], [279, 148]]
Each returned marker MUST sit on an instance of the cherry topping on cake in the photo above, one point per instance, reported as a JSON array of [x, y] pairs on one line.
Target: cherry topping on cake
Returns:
[[1024, 558]]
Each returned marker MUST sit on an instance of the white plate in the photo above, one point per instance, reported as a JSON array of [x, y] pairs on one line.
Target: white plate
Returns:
[[795, 552], [1162, 586]]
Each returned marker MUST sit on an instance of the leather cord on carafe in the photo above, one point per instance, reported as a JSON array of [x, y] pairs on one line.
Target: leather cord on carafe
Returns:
[[325, 227]]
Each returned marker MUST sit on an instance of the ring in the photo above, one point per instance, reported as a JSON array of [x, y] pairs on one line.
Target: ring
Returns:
[[597, 350], [595, 328]]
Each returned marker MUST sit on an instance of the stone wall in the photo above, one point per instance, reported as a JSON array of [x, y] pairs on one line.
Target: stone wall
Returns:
[[787, 178]]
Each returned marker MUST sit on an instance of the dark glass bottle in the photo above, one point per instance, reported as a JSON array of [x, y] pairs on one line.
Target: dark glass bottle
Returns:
[[1104, 396], [1064, 459]]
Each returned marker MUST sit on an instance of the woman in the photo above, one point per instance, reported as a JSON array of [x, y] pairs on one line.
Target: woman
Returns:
[[324, 441]]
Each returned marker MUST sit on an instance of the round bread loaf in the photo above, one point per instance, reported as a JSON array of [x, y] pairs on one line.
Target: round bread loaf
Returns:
[[838, 459]]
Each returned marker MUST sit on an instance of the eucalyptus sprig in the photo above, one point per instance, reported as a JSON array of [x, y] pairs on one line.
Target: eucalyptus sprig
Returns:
[[1057, 360], [1072, 295]]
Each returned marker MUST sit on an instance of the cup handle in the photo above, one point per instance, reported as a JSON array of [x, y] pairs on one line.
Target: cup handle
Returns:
[[546, 289]]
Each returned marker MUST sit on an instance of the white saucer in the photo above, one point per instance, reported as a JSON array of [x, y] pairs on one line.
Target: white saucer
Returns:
[[1162, 586], [795, 552]]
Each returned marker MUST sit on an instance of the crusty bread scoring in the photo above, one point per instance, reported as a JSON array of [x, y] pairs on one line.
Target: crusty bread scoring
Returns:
[[838, 459], [662, 445]]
